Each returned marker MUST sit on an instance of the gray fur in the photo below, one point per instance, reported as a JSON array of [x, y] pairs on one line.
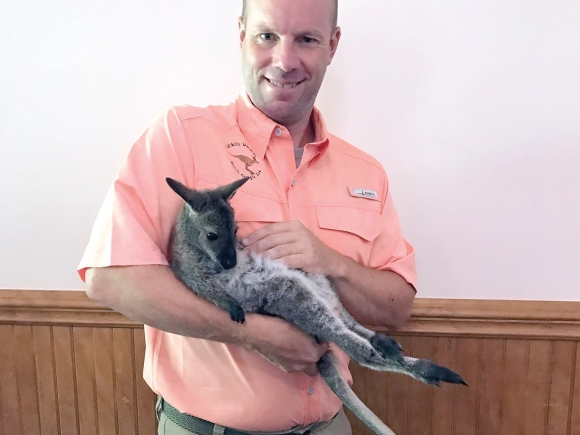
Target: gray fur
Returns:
[[242, 282]]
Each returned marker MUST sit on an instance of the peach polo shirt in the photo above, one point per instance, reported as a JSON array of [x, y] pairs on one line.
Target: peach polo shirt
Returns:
[[339, 192]]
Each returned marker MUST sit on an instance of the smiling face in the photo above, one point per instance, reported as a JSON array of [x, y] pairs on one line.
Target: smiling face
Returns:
[[286, 48]]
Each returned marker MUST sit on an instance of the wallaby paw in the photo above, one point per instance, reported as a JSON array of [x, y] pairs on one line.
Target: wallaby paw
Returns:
[[236, 313], [433, 374], [388, 347]]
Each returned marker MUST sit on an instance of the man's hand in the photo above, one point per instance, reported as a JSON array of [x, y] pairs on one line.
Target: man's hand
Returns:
[[295, 245], [373, 297], [285, 346]]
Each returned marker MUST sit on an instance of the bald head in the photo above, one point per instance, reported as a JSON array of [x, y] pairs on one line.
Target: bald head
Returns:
[[334, 15]]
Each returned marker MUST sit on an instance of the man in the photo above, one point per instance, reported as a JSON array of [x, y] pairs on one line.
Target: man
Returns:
[[313, 201]]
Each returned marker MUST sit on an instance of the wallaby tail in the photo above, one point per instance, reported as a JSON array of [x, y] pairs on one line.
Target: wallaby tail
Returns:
[[328, 368]]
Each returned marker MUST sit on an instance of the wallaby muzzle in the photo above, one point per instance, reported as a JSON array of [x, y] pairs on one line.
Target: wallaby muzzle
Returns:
[[228, 259]]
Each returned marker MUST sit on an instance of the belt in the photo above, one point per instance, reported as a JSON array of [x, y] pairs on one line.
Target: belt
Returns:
[[198, 425]]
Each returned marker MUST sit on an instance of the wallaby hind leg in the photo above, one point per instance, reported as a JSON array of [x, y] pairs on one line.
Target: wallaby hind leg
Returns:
[[318, 320], [383, 343], [316, 316]]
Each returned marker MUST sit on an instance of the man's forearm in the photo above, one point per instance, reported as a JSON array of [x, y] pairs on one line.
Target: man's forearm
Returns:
[[373, 297], [154, 296]]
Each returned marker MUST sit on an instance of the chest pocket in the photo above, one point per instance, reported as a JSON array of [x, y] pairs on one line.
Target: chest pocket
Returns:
[[351, 231], [252, 212]]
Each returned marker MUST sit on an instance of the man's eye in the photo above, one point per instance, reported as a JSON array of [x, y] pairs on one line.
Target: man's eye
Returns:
[[308, 40], [212, 236], [266, 36]]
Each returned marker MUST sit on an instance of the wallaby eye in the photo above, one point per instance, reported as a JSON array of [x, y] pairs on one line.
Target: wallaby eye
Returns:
[[212, 236]]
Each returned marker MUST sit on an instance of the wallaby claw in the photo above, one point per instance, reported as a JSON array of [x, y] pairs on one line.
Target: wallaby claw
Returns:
[[237, 313]]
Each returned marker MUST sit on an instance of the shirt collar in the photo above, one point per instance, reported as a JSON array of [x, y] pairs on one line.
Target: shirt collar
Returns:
[[258, 128]]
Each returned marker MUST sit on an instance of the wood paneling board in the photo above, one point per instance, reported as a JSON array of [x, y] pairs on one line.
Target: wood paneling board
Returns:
[[27, 381], [574, 416], [490, 386], [46, 382], [466, 399], [145, 397], [562, 369], [84, 358], [9, 394], [399, 415], [65, 380], [513, 409], [421, 405], [444, 398], [359, 387], [125, 381], [105, 381], [536, 397], [375, 394]]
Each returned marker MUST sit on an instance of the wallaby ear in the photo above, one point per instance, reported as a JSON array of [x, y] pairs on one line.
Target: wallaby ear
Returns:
[[227, 191], [178, 188], [197, 200]]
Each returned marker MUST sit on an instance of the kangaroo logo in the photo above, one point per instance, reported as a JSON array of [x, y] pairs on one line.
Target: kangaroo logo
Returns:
[[248, 162], [246, 156]]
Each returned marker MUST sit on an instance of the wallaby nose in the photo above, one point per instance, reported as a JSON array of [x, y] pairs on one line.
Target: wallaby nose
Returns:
[[229, 263]]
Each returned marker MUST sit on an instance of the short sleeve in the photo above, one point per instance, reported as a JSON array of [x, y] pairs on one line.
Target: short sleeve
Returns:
[[390, 250], [134, 223]]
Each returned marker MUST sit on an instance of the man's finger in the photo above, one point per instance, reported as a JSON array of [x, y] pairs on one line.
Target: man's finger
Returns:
[[265, 231], [270, 241], [311, 370]]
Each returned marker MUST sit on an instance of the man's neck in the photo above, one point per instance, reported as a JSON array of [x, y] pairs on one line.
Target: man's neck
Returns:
[[302, 133]]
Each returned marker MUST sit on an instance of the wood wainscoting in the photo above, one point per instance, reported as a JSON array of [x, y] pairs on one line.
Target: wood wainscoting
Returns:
[[69, 366]]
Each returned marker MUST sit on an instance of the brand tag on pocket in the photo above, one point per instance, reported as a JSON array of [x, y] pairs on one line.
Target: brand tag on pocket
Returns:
[[364, 193]]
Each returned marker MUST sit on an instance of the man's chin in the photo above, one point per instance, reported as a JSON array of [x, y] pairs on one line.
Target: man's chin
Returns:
[[284, 114]]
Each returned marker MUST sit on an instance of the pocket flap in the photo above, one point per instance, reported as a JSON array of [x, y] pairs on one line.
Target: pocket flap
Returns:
[[250, 208], [364, 223]]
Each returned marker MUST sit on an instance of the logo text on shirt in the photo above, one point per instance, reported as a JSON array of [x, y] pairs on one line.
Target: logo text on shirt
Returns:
[[364, 193]]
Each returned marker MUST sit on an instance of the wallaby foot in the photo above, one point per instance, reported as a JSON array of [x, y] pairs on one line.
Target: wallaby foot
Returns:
[[236, 312], [388, 347], [431, 373]]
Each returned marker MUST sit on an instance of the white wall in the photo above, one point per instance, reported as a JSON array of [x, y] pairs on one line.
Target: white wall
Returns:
[[472, 107]]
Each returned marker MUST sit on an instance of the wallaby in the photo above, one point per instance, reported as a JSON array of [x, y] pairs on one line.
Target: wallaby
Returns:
[[207, 257]]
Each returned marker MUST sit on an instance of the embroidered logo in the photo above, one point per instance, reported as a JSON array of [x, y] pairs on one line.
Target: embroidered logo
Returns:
[[364, 193], [244, 157]]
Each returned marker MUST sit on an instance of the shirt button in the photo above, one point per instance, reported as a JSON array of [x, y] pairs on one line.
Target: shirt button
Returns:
[[293, 183], [278, 131], [310, 391]]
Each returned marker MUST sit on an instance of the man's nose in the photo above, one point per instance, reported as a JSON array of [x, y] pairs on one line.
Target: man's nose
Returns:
[[285, 56]]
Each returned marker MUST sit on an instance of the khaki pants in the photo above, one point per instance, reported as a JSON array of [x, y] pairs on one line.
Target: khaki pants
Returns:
[[339, 425]]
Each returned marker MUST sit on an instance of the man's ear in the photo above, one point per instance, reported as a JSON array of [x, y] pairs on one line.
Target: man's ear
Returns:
[[334, 40], [241, 30]]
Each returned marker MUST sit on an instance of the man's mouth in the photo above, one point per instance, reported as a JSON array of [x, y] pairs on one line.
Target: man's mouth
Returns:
[[283, 85]]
